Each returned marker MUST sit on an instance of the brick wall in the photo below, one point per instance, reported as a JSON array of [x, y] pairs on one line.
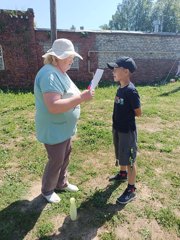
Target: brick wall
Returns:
[[81, 41], [17, 40], [155, 54]]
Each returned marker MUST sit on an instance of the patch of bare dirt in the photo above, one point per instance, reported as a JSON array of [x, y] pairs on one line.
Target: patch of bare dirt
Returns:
[[102, 180], [12, 167], [173, 124], [141, 229], [176, 150], [34, 191], [144, 196], [151, 125]]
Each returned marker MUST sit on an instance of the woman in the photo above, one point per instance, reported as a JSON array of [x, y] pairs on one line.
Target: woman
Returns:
[[57, 110]]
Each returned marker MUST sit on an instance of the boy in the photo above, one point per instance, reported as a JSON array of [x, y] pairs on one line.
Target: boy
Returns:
[[126, 107]]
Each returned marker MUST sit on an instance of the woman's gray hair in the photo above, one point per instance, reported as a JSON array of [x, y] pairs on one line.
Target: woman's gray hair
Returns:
[[49, 59]]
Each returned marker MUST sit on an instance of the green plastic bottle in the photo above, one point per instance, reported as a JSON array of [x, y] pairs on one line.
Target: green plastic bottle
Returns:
[[73, 209]]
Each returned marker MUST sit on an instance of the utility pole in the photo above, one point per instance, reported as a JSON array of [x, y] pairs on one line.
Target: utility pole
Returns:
[[53, 20]]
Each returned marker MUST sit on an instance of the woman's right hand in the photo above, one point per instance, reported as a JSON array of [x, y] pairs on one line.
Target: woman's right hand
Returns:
[[87, 95]]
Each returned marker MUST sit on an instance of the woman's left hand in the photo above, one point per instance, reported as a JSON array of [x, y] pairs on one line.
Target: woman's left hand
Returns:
[[87, 95]]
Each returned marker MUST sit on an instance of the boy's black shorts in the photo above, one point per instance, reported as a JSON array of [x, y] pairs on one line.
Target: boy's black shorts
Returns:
[[125, 145]]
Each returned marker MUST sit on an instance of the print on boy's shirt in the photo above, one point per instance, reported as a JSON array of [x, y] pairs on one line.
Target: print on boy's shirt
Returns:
[[119, 100]]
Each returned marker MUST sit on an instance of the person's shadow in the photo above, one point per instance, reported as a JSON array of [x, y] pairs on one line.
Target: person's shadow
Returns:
[[170, 92], [19, 218], [92, 214]]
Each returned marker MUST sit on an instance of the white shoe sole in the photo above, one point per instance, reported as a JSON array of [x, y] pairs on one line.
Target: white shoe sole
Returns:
[[71, 188]]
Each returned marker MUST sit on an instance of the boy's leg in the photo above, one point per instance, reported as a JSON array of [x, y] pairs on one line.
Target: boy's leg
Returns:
[[129, 193], [121, 176], [123, 168], [132, 174], [131, 150]]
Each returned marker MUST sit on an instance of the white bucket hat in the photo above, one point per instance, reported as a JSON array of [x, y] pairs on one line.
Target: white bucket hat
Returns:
[[62, 48]]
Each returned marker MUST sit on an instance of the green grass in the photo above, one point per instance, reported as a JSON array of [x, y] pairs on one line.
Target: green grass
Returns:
[[22, 160]]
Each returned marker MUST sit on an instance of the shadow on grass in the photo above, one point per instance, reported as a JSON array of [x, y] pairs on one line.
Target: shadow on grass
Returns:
[[19, 108], [20, 217], [92, 214], [170, 92]]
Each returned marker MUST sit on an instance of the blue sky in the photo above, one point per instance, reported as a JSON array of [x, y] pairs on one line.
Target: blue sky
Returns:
[[88, 13]]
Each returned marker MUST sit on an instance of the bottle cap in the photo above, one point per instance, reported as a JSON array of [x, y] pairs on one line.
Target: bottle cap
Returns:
[[72, 200]]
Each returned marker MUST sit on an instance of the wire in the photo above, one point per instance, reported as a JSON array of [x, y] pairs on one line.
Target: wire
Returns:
[[165, 80]]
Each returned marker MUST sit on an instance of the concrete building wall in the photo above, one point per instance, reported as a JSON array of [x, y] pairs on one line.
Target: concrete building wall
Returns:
[[155, 54]]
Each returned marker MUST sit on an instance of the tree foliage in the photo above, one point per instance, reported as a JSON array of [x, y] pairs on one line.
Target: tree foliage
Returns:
[[167, 12], [146, 15]]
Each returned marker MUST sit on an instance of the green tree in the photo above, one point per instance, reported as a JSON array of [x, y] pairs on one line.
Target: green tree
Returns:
[[146, 15], [105, 27], [142, 15], [167, 13], [132, 15], [123, 18]]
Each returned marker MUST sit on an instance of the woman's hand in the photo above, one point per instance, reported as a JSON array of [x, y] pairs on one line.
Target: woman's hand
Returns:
[[87, 95]]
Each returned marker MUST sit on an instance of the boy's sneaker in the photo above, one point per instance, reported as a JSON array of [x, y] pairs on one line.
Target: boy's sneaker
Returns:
[[127, 196], [118, 177]]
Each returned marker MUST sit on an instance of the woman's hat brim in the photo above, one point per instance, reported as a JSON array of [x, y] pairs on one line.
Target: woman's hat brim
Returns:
[[62, 56]]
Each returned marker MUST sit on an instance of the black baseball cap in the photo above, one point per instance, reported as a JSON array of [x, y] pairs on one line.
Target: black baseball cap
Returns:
[[125, 62]]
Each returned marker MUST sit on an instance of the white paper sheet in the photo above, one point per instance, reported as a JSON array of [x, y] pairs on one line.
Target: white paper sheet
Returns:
[[97, 76]]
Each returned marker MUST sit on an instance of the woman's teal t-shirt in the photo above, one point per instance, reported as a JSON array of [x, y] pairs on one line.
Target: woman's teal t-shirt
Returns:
[[54, 128]]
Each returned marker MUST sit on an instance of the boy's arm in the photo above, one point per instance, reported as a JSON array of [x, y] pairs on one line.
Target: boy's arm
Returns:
[[138, 112]]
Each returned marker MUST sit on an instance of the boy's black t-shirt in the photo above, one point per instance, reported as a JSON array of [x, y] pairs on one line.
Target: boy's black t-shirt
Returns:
[[126, 100]]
